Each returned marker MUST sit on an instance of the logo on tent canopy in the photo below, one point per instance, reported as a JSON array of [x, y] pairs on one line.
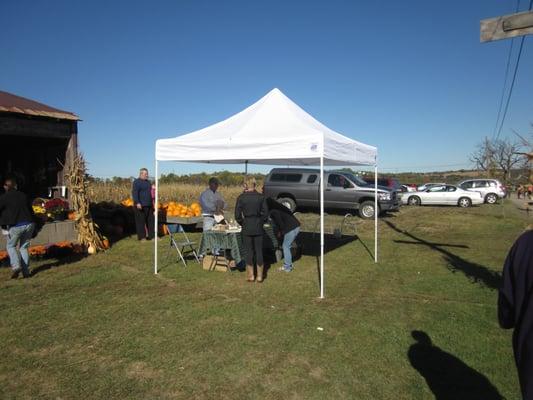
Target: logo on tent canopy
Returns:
[[314, 146]]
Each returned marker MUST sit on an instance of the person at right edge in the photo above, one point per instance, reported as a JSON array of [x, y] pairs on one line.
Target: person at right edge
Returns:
[[515, 308], [251, 213]]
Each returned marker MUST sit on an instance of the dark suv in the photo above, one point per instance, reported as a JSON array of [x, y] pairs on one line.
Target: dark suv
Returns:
[[294, 187]]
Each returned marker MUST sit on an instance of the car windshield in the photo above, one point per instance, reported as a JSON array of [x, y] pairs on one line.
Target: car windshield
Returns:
[[355, 179]]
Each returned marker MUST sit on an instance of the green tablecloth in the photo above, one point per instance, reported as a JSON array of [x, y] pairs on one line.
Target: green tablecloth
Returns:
[[233, 242]]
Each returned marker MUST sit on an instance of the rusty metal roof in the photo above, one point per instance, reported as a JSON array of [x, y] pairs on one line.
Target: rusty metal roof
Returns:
[[20, 105]]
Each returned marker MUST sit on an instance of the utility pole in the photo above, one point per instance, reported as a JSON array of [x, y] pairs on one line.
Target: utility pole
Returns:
[[506, 26]]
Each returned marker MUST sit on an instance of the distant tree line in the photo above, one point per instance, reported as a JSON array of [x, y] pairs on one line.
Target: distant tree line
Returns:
[[227, 178]]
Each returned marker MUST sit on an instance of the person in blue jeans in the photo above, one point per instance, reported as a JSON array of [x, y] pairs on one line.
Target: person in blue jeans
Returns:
[[288, 227], [16, 217]]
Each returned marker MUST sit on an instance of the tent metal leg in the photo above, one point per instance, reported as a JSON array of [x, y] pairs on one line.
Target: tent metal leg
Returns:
[[376, 213], [156, 217], [321, 227]]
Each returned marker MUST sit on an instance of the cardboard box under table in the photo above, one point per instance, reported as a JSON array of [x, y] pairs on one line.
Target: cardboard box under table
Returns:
[[232, 245]]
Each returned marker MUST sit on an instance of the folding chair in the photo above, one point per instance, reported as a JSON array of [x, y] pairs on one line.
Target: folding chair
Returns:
[[183, 247], [349, 222]]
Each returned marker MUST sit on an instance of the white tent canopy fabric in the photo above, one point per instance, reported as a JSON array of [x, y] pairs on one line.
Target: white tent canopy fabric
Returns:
[[272, 131]]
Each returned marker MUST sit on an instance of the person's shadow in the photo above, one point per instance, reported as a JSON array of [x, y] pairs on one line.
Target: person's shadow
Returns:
[[448, 377]]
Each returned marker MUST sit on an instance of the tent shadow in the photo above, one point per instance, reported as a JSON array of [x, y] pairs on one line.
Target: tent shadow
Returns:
[[477, 273], [309, 243], [447, 376]]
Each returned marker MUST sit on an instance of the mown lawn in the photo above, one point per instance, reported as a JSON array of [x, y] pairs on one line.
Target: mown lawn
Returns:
[[104, 327]]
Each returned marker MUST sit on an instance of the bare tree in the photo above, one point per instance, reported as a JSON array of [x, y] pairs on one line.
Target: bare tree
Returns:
[[483, 156], [503, 155], [507, 156]]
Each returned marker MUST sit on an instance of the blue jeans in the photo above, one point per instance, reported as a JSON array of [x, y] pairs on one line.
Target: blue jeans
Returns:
[[287, 241], [20, 258]]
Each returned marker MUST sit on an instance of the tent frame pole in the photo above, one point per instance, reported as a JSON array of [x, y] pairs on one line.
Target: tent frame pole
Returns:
[[322, 222], [376, 212], [156, 211]]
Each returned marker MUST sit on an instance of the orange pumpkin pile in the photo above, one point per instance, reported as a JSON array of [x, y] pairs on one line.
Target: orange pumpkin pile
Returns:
[[56, 249], [127, 202], [174, 209]]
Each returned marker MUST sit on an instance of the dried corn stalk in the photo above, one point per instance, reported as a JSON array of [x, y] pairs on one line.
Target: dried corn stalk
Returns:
[[88, 232]]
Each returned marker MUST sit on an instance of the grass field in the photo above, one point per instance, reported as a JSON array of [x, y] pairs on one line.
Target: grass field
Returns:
[[104, 327]]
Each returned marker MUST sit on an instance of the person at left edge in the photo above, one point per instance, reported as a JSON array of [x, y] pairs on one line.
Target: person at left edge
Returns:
[[16, 216], [141, 193]]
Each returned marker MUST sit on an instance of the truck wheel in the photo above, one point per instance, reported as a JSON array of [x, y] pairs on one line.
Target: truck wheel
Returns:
[[366, 210], [288, 202]]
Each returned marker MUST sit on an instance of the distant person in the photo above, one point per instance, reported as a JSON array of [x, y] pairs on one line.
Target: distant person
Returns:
[[288, 229], [141, 192], [16, 218], [251, 212], [211, 201], [519, 191], [515, 307]]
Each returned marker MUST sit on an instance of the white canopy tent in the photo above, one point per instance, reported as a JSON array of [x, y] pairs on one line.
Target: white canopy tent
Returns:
[[272, 131]]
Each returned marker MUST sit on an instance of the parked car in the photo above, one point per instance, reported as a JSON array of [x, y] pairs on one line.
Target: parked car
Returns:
[[295, 187], [408, 188], [428, 185], [391, 183], [490, 189], [443, 195]]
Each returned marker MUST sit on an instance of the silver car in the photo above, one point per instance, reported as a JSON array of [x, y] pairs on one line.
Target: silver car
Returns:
[[490, 189], [443, 195]]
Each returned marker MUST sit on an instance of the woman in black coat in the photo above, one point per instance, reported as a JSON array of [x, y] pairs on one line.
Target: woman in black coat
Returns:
[[251, 212]]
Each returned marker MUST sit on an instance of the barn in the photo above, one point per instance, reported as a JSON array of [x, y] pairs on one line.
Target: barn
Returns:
[[37, 144]]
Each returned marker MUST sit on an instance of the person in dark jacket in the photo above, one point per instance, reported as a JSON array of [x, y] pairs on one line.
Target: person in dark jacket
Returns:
[[288, 228], [141, 193], [251, 212], [515, 307], [16, 217]]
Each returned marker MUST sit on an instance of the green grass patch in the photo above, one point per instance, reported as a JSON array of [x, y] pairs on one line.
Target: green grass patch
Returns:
[[107, 327]]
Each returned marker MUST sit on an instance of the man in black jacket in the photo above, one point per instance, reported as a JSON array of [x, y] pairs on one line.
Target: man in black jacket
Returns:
[[143, 206], [16, 217], [515, 308]]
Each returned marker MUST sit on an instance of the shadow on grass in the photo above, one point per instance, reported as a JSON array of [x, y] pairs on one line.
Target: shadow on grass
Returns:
[[309, 243], [447, 376], [475, 272], [60, 261]]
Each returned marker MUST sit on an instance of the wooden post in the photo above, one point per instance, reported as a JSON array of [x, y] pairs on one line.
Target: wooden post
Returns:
[[506, 26]]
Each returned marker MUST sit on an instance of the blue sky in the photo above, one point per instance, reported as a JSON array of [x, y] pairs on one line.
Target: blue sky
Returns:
[[409, 77]]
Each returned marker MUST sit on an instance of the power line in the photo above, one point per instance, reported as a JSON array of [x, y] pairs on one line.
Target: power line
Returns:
[[505, 79], [514, 78]]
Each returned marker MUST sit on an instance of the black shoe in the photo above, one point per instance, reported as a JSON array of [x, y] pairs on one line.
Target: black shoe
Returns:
[[15, 274]]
